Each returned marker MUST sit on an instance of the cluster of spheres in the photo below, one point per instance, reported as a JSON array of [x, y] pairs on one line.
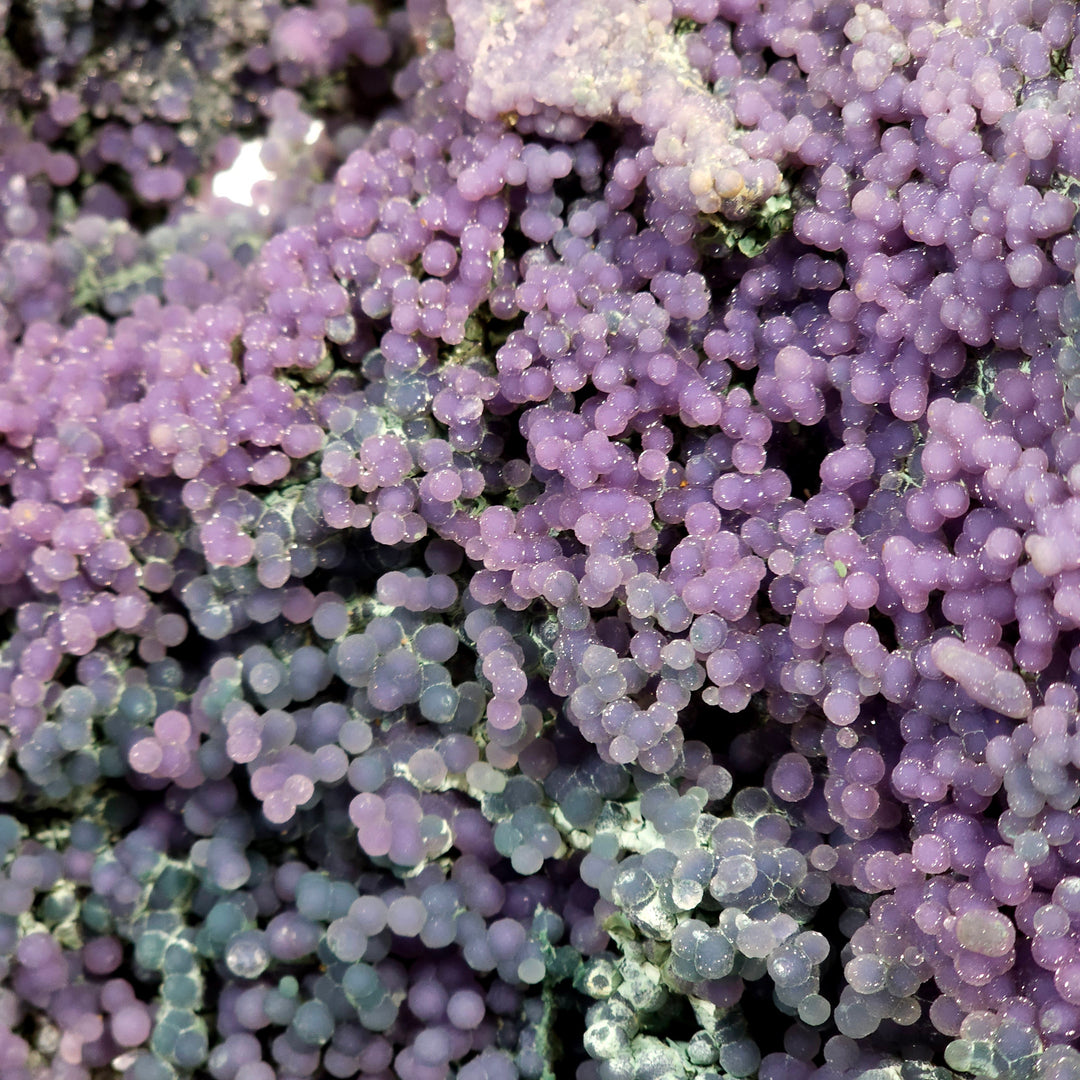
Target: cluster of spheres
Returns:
[[574, 575]]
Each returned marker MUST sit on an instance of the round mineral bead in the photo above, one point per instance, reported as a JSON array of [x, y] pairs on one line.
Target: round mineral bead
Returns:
[[792, 779], [130, 1025], [465, 1009]]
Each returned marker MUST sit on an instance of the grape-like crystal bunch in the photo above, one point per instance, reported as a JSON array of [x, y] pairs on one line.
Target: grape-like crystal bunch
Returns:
[[571, 571]]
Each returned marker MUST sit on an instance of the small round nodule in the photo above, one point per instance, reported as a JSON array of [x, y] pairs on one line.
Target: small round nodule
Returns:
[[247, 956]]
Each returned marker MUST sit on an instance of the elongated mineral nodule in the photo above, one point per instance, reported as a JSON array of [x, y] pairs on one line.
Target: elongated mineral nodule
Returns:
[[981, 679]]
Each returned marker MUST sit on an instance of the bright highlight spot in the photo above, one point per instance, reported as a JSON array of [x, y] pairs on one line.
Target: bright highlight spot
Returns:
[[238, 181]]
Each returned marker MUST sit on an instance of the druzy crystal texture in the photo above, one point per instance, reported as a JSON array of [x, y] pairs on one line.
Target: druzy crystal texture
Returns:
[[575, 575]]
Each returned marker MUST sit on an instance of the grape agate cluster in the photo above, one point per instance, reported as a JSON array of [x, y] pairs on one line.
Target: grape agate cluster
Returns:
[[577, 578]]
